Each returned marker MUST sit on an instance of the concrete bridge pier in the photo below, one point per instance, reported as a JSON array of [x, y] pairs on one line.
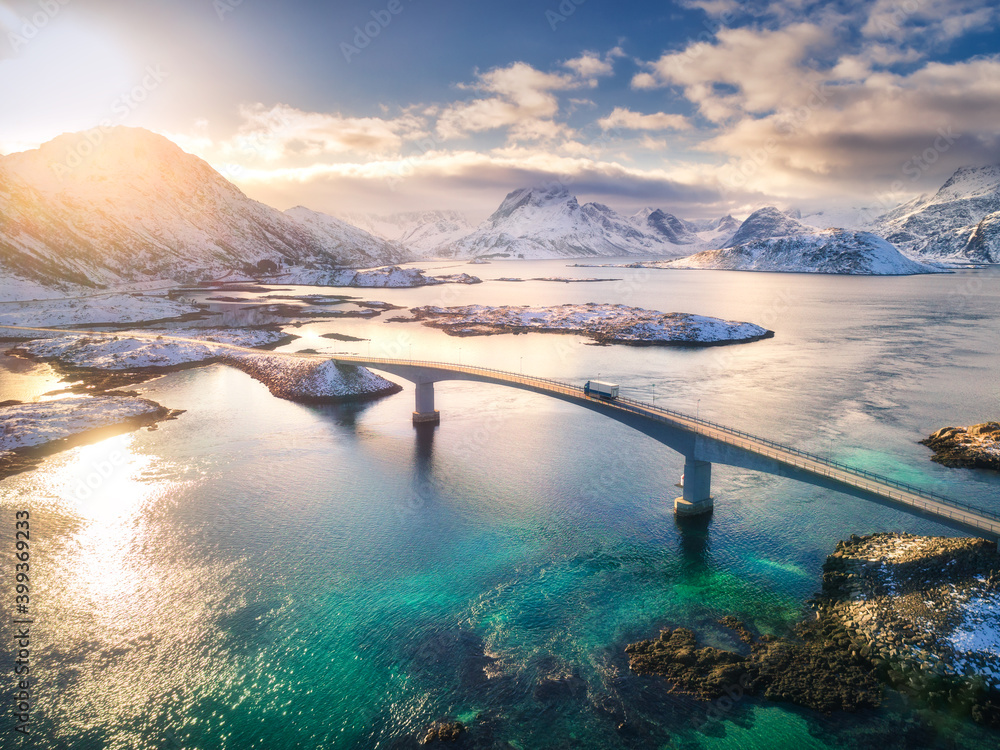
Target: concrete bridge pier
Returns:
[[697, 498], [425, 412]]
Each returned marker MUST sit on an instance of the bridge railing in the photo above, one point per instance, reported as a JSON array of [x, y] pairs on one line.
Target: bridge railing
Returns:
[[842, 468], [837, 470]]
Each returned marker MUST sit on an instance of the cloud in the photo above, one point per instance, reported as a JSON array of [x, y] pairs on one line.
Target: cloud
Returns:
[[471, 181], [865, 135], [928, 21], [744, 70], [625, 119], [281, 131], [822, 108], [522, 100], [712, 7], [591, 65]]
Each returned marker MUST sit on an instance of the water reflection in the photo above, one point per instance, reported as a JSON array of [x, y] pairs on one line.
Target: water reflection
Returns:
[[694, 543], [424, 447]]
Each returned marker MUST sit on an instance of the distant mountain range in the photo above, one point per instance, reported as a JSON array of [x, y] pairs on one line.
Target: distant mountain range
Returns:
[[420, 232], [135, 207], [771, 241], [961, 220]]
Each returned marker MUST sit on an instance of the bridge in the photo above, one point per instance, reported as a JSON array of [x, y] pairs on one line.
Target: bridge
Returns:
[[700, 441]]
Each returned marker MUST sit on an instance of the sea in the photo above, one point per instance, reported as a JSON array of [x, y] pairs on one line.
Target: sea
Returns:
[[265, 574]]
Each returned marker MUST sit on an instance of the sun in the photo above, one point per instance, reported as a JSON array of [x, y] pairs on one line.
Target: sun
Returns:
[[64, 75]]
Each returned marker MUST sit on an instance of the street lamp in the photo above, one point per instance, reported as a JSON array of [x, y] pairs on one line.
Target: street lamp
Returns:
[[697, 413]]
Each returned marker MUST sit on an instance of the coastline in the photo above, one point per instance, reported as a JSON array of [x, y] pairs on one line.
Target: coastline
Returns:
[[916, 615], [17, 459]]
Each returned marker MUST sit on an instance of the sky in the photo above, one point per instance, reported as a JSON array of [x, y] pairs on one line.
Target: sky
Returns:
[[698, 107]]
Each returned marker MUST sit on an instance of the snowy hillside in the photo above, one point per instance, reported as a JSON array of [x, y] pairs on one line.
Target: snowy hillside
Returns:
[[136, 207], [942, 225], [344, 240], [422, 233], [549, 222], [839, 251], [665, 226], [715, 233], [984, 243], [766, 223]]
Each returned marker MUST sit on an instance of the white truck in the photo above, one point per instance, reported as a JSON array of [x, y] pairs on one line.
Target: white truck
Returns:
[[601, 389]]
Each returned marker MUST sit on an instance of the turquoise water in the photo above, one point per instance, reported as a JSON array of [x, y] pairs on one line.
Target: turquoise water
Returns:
[[262, 574]]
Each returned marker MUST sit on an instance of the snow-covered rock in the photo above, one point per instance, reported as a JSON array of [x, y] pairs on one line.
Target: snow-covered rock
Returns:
[[112, 309], [131, 350], [984, 243], [839, 251], [606, 323], [313, 380], [422, 233], [549, 222], [296, 378], [35, 424], [135, 207], [375, 278], [942, 225]]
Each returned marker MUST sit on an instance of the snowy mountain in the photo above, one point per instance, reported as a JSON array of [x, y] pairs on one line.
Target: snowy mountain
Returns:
[[984, 244], [126, 205], [421, 232], [548, 222], [715, 233], [853, 217], [767, 223], [839, 251], [345, 240], [943, 225], [665, 226]]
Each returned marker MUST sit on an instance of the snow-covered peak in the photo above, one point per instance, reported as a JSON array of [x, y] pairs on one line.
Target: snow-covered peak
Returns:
[[766, 223], [114, 162], [970, 182], [942, 225], [549, 222], [125, 205], [547, 196], [663, 225]]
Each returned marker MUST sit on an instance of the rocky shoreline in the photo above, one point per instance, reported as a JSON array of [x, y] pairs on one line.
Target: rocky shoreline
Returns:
[[97, 364], [974, 447], [604, 323], [32, 432], [314, 381], [919, 615]]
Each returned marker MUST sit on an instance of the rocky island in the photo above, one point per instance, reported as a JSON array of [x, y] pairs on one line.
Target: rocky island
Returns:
[[605, 323], [975, 447], [130, 357], [918, 615], [30, 432]]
